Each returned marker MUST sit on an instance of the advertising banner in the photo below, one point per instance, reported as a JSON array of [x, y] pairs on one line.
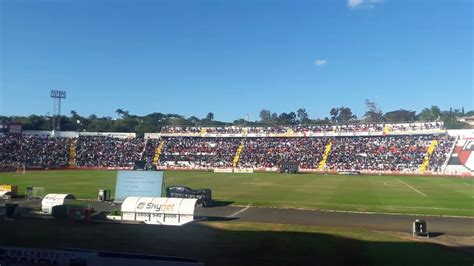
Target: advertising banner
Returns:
[[243, 170], [222, 170], [9, 188], [158, 211], [138, 184]]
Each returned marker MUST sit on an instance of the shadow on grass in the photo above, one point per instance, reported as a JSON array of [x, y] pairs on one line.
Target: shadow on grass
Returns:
[[216, 218], [435, 234], [220, 203], [232, 243]]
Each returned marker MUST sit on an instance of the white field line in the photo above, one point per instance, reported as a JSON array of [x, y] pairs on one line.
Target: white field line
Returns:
[[412, 187], [368, 212], [239, 211], [346, 205]]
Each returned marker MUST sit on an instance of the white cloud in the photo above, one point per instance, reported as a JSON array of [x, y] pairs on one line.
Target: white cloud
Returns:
[[320, 62], [354, 3], [363, 3]]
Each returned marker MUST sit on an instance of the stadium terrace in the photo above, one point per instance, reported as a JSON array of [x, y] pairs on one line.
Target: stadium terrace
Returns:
[[416, 148]]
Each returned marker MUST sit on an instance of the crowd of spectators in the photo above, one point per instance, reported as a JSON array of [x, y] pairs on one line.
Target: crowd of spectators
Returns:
[[438, 158], [419, 126], [374, 153], [34, 151], [108, 151], [389, 153], [199, 152], [271, 152], [150, 150]]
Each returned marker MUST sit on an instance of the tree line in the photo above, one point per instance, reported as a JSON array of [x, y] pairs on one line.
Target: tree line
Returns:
[[127, 122]]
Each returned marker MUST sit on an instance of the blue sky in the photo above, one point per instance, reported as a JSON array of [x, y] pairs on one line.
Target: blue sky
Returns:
[[235, 57]]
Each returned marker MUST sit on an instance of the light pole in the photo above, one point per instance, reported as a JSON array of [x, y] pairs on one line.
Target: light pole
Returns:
[[57, 95]]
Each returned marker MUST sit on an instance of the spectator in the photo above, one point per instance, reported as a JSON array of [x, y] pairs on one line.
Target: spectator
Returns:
[[101, 151], [271, 152], [405, 153], [199, 152], [34, 151]]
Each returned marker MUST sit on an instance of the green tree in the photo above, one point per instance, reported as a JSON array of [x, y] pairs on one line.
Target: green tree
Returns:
[[194, 120], [334, 114], [265, 116], [400, 115], [287, 118], [373, 113], [210, 116], [342, 115], [122, 113], [302, 115], [430, 114], [345, 115], [36, 122]]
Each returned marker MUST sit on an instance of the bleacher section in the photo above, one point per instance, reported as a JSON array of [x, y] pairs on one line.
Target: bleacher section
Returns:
[[270, 152], [366, 149], [199, 152], [34, 151]]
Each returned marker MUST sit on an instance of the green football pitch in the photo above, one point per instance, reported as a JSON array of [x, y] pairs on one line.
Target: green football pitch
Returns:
[[365, 193]]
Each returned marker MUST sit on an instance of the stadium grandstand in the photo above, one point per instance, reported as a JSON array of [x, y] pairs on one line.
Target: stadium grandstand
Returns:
[[418, 148]]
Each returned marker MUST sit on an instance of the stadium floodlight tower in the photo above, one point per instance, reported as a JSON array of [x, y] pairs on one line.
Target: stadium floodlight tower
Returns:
[[57, 95]]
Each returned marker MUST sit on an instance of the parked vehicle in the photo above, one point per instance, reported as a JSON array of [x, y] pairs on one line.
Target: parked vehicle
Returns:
[[203, 196]]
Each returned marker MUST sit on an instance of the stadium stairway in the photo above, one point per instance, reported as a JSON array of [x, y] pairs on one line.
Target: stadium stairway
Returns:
[[237, 154], [72, 153], [156, 158], [322, 164], [426, 161]]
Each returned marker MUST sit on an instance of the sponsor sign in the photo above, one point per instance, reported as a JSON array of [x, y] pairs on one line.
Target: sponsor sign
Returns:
[[152, 135], [222, 170], [9, 188], [243, 170], [161, 211], [138, 184], [121, 135], [349, 172]]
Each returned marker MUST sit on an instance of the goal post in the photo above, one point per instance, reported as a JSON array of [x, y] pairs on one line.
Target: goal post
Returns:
[[20, 168]]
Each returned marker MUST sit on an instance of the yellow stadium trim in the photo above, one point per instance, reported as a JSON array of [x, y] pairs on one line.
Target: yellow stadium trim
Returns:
[[322, 164], [426, 160]]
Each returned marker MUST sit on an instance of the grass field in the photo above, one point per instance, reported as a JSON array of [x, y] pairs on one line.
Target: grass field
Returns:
[[236, 243], [389, 194]]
